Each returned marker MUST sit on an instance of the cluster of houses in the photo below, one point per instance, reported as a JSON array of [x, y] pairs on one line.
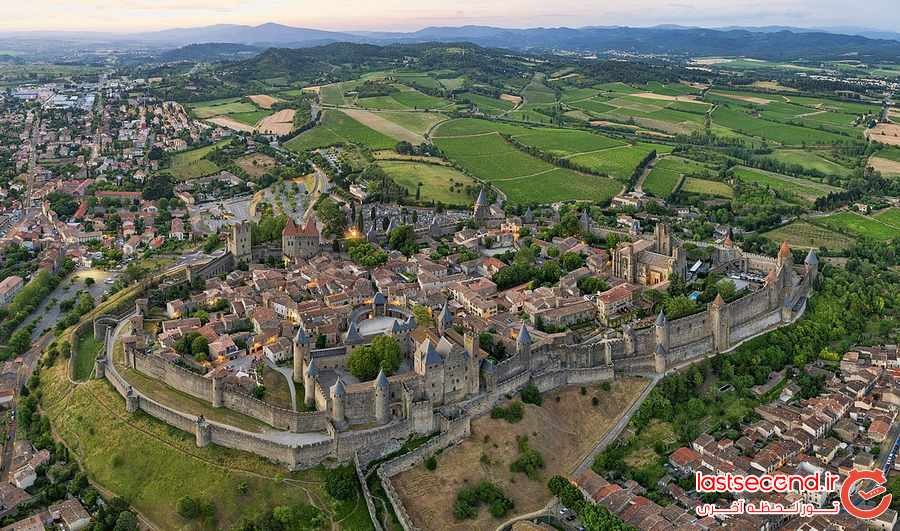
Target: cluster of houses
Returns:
[[847, 427]]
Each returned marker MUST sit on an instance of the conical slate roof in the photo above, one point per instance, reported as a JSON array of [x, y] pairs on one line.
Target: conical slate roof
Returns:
[[338, 388], [381, 381], [524, 338], [661, 319], [811, 258]]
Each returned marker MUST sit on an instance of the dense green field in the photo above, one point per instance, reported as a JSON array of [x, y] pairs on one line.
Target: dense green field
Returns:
[[619, 162], [338, 128], [855, 223], [742, 121], [250, 118], [229, 106], [523, 178], [666, 174], [794, 188], [810, 160], [485, 104], [803, 234], [417, 122], [439, 183], [891, 216], [191, 164], [404, 98], [692, 185]]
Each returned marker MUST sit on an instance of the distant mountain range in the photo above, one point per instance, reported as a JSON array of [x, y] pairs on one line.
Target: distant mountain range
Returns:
[[770, 42]]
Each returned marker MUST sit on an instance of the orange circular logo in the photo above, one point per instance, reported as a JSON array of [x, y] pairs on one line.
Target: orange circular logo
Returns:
[[855, 477]]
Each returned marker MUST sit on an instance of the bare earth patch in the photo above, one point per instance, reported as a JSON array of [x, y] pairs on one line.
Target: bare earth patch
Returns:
[[311, 88], [383, 125], [512, 98], [264, 101], [710, 61], [885, 166], [739, 97], [885, 133], [563, 431], [773, 85], [256, 165], [604, 123], [231, 123], [655, 96], [280, 123]]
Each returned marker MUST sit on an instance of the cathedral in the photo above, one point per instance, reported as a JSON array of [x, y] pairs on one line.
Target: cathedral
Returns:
[[650, 262]]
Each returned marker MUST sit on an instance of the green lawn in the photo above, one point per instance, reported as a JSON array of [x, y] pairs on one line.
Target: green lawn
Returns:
[[86, 351], [191, 164], [152, 465], [442, 184], [802, 190], [855, 223], [250, 118], [338, 128]]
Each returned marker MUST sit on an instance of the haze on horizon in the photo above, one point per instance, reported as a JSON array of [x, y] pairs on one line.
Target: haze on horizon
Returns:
[[410, 15]]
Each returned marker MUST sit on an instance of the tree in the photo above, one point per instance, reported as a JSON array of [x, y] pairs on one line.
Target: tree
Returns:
[[200, 345], [340, 482], [89, 281], [157, 187], [403, 239], [126, 521], [422, 315], [187, 507], [382, 354]]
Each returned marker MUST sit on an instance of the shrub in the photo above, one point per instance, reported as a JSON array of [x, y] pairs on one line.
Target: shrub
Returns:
[[340, 483], [606, 386], [469, 499], [187, 507], [512, 413], [531, 395], [529, 461], [431, 463]]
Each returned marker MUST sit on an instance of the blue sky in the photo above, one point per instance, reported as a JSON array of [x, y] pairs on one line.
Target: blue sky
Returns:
[[130, 15]]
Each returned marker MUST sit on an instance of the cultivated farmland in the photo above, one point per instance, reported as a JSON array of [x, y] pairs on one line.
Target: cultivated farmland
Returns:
[[794, 188], [802, 234], [693, 185], [667, 173], [338, 128], [857, 224]]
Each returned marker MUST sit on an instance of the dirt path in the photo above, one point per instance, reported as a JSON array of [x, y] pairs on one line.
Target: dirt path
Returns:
[[639, 185]]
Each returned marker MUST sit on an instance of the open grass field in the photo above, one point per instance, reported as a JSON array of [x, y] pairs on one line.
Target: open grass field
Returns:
[[891, 216], [441, 184], [811, 161], [405, 98], [796, 189], [887, 167], [151, 465], [693, 185], [249, 118], [418, 123], [278, 393], [209, 109], [86, 351], [189, 165], [338, 128], [486, 104], [848, 222], [667, 173], [802, 234], [563, 430]]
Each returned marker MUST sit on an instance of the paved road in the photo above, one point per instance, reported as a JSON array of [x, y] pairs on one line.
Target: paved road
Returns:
[[49, 312], [614, 432]]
